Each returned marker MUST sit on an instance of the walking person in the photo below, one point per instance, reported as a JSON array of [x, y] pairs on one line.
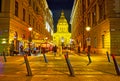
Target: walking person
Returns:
[[34, 50], [21, 50], [55, 50], [11, 50]]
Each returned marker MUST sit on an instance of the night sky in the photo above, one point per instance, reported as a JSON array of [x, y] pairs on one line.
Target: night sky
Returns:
[[56, 6]]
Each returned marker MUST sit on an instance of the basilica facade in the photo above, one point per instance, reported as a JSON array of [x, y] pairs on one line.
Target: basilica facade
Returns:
[[62, 36]]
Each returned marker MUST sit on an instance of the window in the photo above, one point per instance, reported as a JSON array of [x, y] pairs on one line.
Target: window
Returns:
[[89, 19], [33, 5], [37, 10], [94, 15], [95, 42], [29, 19], [29, 2], [102, 10], [88, 2], [23, 14], [33, 22], [0, 5], [103, 38], [84, 5], [16, 8], [36, 26]]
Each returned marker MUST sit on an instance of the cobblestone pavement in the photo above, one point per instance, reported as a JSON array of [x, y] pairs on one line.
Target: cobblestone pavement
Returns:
[[57, 70]]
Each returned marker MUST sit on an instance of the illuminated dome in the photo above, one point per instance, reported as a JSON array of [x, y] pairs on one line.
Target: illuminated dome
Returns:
[[62, 36], [62, 25]]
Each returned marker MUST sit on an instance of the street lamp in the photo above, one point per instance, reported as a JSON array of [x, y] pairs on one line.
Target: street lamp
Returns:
[[88, 28], [30, 40], [30, 28], [88, 42]]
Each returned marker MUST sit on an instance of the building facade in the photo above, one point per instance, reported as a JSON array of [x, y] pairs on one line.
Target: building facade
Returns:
[[103, 17], [62, 36], [16, 16]]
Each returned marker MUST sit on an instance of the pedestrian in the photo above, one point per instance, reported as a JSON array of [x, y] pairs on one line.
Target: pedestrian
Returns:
[[43, 51], [21, 49], [11, 50], [78, 49], [34, 50], [55, 50]]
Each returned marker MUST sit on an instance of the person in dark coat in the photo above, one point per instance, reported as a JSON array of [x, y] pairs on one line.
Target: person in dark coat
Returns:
[[55, 50], [11, 50]]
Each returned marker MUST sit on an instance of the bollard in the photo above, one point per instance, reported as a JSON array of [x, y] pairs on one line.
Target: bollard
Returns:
[[45, 59], [116, 65], [89, 58], [69, 65], [4, 56], [27, 65], [108, 56]]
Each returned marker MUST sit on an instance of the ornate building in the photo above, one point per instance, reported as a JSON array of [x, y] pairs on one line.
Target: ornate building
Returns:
[[62, 36], [16, 16], [103, 17]]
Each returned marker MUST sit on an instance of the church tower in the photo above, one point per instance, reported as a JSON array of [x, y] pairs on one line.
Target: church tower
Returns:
[[62, 25], [62, 36]]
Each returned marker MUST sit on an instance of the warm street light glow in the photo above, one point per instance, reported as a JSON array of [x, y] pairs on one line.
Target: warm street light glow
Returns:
[[46, 38], [87, 28], [4, 39], [4, 42], [30, 28]]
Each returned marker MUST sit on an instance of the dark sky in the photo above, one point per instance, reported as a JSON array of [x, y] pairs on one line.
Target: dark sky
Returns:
[[57, 6]]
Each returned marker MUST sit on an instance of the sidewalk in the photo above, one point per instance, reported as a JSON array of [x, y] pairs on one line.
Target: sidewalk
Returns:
[[56, 69], [61, 78]]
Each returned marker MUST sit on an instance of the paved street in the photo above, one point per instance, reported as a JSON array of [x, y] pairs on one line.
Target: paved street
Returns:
[[57, 70]]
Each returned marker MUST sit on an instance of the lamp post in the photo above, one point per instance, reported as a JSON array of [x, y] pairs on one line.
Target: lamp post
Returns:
[[30, 40], [88, 42]]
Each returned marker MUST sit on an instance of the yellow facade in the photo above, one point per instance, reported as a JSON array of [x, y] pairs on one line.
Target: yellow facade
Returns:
[[16, 16], [104, 22], [62, 36]]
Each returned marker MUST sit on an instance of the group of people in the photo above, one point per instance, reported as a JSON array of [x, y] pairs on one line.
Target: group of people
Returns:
[[34, 50], [37, 50]]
